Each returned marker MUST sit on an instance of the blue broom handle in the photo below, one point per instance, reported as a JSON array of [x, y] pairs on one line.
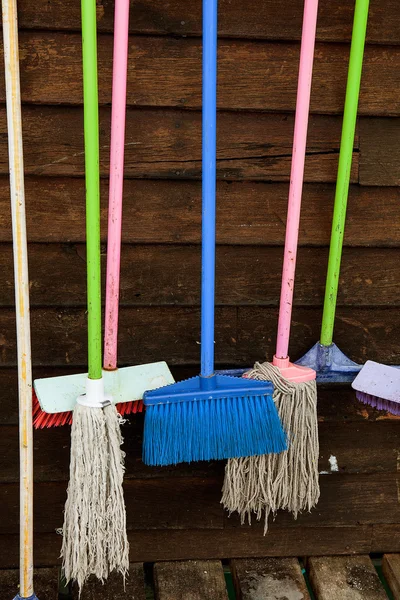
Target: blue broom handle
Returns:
[[209, 158]]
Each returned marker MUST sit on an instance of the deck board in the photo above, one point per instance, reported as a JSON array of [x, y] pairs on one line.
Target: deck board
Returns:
[[114, 588], [269, 579], [391, 571], [345, 578], [192, 580]]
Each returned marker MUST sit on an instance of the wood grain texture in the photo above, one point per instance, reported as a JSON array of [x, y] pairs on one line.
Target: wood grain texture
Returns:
[[243, 335], [360, 447], [252, 213], [191, 580], [246, 276], [115, 588], [337, 405], [255, 19], [380, 152], [391, 571], [45, 583], [156, 545], [345, 578], [166, 72], [167, 144], [268, 579], [192, 503]]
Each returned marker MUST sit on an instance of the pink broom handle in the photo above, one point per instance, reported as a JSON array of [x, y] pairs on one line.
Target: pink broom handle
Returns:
[[120, 65], [296, 175]]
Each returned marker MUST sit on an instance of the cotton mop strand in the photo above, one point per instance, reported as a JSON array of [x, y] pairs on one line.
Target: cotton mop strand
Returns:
[[266, 483], [94, 532]]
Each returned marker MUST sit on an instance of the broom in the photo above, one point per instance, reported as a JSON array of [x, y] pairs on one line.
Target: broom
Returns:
[[127, 385], [210, 416], [20, 250], [331, 364], [264, 484], [94, 531], [379, 386]]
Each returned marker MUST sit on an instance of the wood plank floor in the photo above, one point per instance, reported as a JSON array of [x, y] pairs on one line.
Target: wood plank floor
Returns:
[[322, 578]]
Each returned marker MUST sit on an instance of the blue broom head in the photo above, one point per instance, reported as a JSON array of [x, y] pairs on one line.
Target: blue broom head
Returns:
[[210, 418]]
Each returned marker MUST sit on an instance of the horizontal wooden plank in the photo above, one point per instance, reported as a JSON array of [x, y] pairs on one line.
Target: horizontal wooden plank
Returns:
[[391, 571], [191, 580], [345, 578], [167, 144], [178, 503], [150, 546], [115, 588], [166, 72], [345, 500], [170, 276], [380, 152], [255, 19], [243, 335], [268, 579], [45, 583], [191, 503], [359, 447], [336, 404], [258, 215]]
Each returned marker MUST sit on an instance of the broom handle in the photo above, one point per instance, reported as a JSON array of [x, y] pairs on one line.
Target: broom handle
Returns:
[[120, 66], [345, 159], [209, 152], [296, 175], [16, 165], [92, 180]]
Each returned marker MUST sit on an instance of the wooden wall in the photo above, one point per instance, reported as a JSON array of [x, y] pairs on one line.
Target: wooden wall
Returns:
[[258, 62]]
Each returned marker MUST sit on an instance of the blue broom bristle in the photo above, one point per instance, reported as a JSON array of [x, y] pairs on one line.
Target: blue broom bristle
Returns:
[[211, 430]]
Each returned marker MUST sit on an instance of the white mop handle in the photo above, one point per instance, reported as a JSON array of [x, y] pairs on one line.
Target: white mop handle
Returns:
[[16, 165]]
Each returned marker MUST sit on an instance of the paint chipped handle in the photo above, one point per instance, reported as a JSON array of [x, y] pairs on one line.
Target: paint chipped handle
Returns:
[[118, 117], [297, 175]]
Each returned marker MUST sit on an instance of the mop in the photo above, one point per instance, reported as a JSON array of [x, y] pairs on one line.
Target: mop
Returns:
[[125, 385], [94, 532], [20, 250], [210, 416], [264, 484], [330, 363]]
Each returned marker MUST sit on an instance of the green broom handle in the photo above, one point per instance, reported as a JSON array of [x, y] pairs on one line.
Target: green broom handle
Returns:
[[345, 159], [92, 179]]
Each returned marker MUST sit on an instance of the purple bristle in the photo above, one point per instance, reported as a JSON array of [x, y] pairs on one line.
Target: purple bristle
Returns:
[[379, 403]]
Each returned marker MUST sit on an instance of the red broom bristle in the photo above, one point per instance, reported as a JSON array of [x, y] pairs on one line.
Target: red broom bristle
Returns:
[[42, 419]]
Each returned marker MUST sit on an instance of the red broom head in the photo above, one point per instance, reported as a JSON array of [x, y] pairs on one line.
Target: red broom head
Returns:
[[42, 419]]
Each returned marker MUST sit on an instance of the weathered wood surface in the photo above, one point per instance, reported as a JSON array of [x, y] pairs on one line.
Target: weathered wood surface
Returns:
[[391, 571], [45, 583], [167, 144], [255, 19], [243, 335], [246, 276], [156, 545], [170, 212], [166, 72], [194, 580], [192, 503], [380, 150], [359, 447], [336, 405], [269, 579], [345, 578], [114, 588]]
